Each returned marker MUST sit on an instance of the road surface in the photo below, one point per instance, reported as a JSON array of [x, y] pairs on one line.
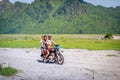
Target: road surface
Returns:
[[80, 64]]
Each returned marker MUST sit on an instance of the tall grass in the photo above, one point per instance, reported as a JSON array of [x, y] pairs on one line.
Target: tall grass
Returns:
[[91, 42]]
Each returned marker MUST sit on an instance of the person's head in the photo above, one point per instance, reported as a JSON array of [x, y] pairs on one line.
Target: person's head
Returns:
[[45, 37], [49, 37]]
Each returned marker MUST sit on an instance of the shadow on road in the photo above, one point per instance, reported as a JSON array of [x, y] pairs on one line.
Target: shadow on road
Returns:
[[41, 61]]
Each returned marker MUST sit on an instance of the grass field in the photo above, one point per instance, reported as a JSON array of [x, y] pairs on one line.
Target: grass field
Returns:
[[85, 41]]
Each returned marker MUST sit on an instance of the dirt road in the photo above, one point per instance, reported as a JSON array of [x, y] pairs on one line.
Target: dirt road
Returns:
[[79, 64]]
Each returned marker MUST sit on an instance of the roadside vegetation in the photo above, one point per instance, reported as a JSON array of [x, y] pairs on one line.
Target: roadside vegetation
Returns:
[[112, 55], [7, 71], [108, 36], [79, 41]]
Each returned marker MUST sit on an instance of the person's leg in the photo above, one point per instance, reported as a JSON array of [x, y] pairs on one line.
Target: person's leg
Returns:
[[42, 52], [46, 56]]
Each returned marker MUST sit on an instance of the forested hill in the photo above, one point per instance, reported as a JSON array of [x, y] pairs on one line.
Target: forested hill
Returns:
[[58, 16]]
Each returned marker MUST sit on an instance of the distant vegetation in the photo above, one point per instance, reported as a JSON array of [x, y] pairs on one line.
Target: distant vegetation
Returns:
[[71, 41], [58, 17]]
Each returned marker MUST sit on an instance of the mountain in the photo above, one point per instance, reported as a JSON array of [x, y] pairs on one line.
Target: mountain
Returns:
[[58, 17]]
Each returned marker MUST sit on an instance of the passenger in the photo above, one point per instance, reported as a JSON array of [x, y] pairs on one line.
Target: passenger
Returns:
[[41, 48], [44, 46]]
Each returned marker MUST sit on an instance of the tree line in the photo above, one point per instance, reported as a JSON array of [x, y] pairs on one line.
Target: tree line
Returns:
[[58, 17]]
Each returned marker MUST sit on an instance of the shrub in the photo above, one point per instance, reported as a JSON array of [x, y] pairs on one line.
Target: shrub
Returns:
[[0, 67], [7, 71], [108, 36], [112, 55]]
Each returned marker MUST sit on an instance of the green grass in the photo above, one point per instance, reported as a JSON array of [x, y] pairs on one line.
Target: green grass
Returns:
[[65, 41], [7, 71], [91, 44], [19, 43]]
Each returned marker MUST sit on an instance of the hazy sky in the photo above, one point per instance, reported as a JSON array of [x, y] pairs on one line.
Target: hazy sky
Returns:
[[106, 3], [24, 1]]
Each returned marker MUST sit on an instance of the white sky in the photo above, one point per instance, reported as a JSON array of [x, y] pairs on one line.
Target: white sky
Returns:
[[106, 3], [24, 1]]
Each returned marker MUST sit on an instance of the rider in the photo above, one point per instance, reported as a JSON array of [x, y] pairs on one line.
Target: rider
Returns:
[[50, 42], [50, 45]]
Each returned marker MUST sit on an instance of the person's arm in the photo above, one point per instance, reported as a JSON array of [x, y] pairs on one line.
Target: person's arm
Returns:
[[54, 43], [42, 44]]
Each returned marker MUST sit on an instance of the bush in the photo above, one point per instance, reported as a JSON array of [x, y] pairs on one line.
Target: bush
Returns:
[[112, 55], [108, 36], [7, 71], [0, 67]]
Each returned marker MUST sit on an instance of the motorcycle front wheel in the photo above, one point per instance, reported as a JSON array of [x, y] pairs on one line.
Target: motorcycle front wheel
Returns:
[[60, 59]]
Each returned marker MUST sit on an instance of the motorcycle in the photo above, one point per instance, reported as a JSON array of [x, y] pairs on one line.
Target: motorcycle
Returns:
[[55, 55]]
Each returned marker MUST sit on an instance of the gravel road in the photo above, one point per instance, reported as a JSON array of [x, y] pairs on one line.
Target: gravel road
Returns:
[[80, 64]]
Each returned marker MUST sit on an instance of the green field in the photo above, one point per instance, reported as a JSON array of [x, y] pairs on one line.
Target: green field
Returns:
[[79, 41]]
